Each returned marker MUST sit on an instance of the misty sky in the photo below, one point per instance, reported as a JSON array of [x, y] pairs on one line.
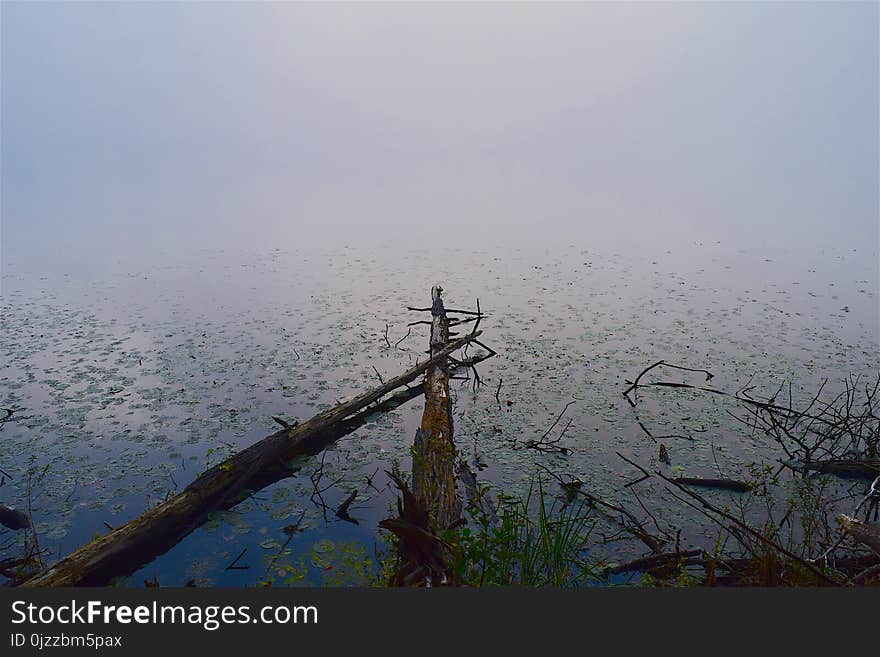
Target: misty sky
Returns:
[[132, 126]]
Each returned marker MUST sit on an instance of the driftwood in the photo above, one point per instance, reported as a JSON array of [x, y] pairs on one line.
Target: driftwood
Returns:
[[863, 532], [127, 548]]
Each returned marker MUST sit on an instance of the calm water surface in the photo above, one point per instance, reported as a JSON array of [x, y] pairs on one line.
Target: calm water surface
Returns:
[[136, 374]]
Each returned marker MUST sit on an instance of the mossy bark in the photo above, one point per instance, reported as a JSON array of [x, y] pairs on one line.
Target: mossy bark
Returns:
[[434, 481]]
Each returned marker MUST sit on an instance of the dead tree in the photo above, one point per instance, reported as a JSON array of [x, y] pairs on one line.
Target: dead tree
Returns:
[[863, 532]]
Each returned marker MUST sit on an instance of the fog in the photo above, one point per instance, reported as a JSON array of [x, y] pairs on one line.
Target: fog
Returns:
[[214, 215], [136, 127]]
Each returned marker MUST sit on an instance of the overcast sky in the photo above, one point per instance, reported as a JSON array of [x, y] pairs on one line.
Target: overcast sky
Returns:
[[126, 126]]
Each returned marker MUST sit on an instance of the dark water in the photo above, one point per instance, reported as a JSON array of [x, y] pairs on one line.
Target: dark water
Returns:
[[134, 375]]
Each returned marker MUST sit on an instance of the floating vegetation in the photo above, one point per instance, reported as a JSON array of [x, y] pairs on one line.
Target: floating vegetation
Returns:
[[128, 382]]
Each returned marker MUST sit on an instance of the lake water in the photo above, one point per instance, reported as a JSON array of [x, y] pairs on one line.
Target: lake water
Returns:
[[135, 374]]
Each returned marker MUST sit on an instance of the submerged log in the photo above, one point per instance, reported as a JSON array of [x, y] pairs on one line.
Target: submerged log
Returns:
[[434, 449], [724, 484], [842, 468], [125, 549], [861, 531], [653, 562]]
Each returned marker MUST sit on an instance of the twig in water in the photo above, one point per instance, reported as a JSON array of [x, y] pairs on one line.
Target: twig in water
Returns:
[[290, 530], [408, 331], [559, 417], [449, 311], [370, 481], [645, 473], [552, 445], [232, 565], [635, 384], [284, 423], [315, 478], [477, 381], [342, 511], [634, 527], [714, 458]]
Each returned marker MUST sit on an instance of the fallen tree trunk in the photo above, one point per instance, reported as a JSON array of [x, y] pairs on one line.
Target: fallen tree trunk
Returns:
[[653, 562], [434, 448], [861, 531], [433, 505], [843, 468], [125, 549]]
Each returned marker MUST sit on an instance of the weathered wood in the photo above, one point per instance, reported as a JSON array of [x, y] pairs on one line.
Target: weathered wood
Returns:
[[125, 549], [861, 531], [434, 448], [433, 505], [423, 554]]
